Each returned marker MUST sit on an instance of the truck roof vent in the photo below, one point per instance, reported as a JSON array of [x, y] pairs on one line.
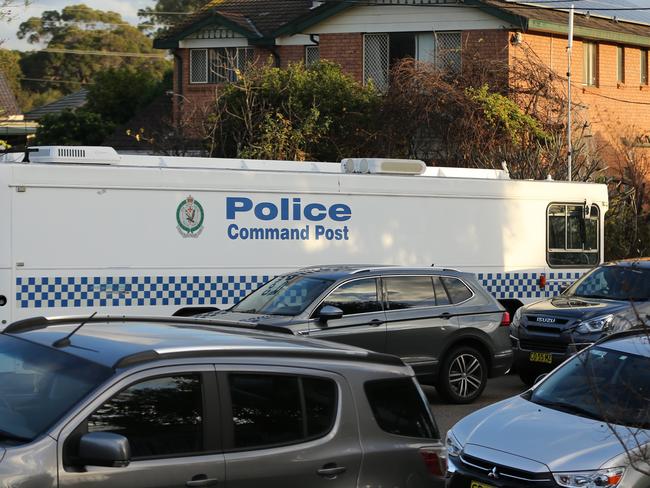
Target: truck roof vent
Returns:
[[73, 154], [383, 166]]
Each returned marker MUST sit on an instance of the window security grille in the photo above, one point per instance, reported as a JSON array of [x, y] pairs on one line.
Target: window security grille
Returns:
[[312, 55], [219, 65], [448, 51], [375, 60], [198, 66]]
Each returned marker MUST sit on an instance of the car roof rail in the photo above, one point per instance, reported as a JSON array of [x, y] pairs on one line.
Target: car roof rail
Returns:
[[234, 351]]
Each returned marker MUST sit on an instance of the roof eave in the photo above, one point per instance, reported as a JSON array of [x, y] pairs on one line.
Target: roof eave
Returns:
[[519, 21], [589, 33]]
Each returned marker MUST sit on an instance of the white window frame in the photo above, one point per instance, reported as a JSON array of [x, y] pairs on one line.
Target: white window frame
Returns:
[[590, 64], [364, 74], [643, 75], [313, 48]]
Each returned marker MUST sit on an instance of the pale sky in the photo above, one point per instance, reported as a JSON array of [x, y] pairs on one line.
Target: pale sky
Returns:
[[129, 8]]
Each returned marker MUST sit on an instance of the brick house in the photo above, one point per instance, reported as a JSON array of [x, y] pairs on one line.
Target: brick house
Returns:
[[610, 57]]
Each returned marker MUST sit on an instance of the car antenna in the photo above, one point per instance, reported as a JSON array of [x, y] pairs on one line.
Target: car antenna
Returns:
[[65, 341]]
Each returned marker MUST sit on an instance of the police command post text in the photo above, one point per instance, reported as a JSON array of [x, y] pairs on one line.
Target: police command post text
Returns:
[[285, 215]]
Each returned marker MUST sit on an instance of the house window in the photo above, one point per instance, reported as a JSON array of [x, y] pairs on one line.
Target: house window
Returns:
[[620, 64], [220, 64], [590, 64], [383, 51], [448, 51], [376, 60], [198, 66], [312, 55], [644, 66]]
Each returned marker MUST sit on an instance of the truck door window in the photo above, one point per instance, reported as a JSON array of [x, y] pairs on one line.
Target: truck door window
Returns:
[[572, 236]]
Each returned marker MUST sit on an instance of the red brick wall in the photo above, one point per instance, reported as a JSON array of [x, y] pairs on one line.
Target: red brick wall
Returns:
[[612, 109], [291, 55], [487, 44], [346, 50]]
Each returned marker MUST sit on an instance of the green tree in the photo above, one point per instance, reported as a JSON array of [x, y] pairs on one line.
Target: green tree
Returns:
[[73, 128], [82, 41], [164, 14], [294, 113], [117, 93]]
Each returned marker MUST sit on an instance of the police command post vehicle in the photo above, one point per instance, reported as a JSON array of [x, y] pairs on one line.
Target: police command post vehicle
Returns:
[[84, 229]]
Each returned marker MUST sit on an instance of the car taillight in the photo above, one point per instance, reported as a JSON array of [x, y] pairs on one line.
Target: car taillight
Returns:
[[505, 319], [435, 460]]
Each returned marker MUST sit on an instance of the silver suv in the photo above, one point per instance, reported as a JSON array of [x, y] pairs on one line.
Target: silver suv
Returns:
[[585, 425], [162, 403]]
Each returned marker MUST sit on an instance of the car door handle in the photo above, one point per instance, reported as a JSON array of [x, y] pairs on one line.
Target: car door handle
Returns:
[[201, 480], [446, 315], [331, 470], [375, 322]]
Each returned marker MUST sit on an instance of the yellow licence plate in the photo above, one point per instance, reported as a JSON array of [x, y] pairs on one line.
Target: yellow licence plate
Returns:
[[476, 484], [541, 357]]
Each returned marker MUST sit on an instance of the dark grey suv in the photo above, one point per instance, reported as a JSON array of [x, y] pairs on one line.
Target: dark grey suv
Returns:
[[439, 321], [168, 403]]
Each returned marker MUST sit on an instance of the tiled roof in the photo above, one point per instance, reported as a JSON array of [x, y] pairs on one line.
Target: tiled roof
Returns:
[[8, 104], [258, 18], [562, 17], [73, 101], [264, 19]]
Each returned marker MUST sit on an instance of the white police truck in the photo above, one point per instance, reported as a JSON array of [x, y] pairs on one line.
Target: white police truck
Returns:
[[84, 229]]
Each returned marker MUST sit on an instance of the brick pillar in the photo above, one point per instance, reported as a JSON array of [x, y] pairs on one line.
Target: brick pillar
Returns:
[[345, 50]]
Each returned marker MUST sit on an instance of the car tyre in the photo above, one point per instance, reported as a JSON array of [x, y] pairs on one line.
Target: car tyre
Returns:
[[463, 375], [528, 377]]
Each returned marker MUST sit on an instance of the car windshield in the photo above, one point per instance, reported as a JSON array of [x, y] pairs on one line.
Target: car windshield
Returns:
[[602, 384], [38, 385], [614, 283], [284, 295]]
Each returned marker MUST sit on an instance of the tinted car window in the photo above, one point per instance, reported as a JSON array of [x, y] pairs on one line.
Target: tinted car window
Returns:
[[441, 294], [400, 408], [359, 296], [456, 289], [409, 291], [38, 385], [268, 409], [320, 405], [159, 417]]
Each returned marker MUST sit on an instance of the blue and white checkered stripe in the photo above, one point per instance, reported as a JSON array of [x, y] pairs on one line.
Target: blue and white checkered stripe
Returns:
[[525, 285], [144, 291], [132, 291]]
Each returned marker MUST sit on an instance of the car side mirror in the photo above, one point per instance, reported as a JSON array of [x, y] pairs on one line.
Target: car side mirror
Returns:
[[329, 312], [104, 449]]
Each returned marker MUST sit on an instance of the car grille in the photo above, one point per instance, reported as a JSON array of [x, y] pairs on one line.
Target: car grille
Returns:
[[543, 346], [505, 472], [557, 321]]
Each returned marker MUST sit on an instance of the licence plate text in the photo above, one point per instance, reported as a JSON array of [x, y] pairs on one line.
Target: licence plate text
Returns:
[[541, 357]]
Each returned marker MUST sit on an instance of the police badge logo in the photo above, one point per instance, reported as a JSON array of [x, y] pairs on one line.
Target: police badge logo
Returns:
[[189, 216]]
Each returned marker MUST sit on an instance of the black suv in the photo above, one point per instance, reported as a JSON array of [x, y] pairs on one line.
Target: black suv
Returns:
[[606, 299], [439, 321]]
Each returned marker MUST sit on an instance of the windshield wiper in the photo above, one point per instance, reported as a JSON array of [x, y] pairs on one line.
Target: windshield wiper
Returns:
[[13, 437], [569, 408], [595, 296]]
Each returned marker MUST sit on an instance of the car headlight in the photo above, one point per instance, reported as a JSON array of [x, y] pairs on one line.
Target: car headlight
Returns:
[[453, 446], [595, 325], [602, 478]]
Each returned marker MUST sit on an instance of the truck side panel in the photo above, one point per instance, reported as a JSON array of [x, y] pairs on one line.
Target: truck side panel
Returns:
[[6, 288]]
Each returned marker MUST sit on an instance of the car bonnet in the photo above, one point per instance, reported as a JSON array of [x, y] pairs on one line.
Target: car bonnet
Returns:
[[531, 432]]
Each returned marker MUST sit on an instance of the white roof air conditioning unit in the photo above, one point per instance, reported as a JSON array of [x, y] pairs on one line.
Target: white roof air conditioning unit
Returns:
[[383, 166], [73, 154]]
